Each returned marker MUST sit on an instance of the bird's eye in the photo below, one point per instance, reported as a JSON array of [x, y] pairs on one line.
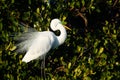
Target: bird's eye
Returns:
[[57, 24]]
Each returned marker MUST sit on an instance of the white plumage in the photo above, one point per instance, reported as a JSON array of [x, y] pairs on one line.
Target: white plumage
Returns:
[[37, 44]]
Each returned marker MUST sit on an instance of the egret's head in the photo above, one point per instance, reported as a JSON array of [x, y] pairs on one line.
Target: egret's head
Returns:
[[54, 24]]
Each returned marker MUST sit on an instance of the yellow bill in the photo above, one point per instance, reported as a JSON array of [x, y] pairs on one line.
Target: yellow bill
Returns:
[[67, 28]]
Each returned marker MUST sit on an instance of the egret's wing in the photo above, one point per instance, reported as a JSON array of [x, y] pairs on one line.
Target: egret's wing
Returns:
[[39, 47], [25, 41]]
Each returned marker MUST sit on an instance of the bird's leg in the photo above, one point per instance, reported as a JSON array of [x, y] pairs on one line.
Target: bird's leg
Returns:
[[43, 68]]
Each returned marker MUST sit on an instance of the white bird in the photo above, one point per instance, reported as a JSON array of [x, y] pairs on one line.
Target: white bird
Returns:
[[38, 44]]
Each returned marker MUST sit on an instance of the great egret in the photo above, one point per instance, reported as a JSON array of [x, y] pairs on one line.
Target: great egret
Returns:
[[38, 44]]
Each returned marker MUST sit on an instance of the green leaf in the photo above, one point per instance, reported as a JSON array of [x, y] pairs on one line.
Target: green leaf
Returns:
[[101, 50]]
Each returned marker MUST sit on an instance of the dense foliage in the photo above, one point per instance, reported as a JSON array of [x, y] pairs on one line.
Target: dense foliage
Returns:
[[92, 48]]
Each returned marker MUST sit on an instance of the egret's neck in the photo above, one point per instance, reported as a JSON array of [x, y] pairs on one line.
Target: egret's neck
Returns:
[[63, 34]]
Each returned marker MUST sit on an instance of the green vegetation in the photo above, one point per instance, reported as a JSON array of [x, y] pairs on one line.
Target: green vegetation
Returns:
[[92, 48]]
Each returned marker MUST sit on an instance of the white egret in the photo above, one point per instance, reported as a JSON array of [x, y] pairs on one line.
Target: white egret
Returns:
[[38, 44]]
